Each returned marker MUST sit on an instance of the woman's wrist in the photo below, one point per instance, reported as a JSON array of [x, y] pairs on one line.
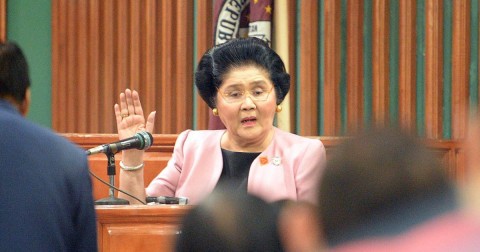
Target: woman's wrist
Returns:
[[131, 168], [132, 157]]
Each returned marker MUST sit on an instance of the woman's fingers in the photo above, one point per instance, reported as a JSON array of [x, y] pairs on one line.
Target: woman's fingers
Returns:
[[150, 121], [123, 105], [137, 105], [129, 101], [129, 113], [118, 114]]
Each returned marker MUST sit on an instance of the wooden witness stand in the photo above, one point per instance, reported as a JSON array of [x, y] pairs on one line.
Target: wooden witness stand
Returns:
[[154, 228], [139, 227]]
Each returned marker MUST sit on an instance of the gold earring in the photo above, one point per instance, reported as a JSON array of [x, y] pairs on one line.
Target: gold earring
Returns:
[[279, 108], [215, 111]]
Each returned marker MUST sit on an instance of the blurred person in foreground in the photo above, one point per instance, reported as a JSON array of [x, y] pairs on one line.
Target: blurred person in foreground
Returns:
[[46, 192], [298, 227], [383, 191], [243, 81], [229, 221]]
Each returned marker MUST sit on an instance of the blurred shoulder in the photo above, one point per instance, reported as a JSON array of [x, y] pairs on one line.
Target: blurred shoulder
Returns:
[[27, 133], [41, 147]]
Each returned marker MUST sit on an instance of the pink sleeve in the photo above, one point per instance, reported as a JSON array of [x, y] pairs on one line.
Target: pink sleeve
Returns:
[[309, 171], [165, 184]]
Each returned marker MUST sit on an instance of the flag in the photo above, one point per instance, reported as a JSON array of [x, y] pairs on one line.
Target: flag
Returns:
[[230, 20], [261, 20], [241, 18]]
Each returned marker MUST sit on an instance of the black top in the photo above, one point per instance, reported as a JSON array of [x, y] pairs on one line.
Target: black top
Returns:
[[236, 166]]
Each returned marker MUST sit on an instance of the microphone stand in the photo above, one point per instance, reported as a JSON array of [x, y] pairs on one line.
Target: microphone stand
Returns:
[[111, 199]]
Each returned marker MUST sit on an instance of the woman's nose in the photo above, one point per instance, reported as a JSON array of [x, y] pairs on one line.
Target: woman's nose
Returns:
[[248, 103]]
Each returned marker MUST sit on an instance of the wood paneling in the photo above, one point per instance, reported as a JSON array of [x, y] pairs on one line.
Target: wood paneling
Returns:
[[354, 66], [204, 42], [460, 67], [331, 92], [433, 69], [139, 228], [292, 15], [380, 84], [407, 67], [99, 48], [308, 116], [3, 20]]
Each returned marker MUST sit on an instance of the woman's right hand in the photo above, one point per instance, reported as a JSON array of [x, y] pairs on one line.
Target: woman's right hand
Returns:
[[130, 120]]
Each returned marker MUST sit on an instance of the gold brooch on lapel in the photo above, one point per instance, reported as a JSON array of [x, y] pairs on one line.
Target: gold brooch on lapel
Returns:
[[263, 160]]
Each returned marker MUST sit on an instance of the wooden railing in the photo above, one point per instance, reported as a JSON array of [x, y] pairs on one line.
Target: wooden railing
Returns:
[[157, 156]]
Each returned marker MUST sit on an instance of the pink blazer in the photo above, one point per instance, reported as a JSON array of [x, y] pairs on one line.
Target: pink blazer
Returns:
[[289, 168]]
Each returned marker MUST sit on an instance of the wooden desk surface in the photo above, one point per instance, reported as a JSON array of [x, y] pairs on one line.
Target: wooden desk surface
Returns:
[[140, 213]]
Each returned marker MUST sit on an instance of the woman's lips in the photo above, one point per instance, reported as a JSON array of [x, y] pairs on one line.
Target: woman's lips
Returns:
[[248, 121]]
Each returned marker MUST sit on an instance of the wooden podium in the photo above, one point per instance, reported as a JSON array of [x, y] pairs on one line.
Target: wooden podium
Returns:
[[139, 227]]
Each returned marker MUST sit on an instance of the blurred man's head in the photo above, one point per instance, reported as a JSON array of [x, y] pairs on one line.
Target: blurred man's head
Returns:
[[229, 221], [379, 177], [14, 78]]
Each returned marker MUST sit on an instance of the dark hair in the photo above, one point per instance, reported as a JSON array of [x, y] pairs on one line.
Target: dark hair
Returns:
[[230, 221], [372, 178], [14, 78], [215, 63]]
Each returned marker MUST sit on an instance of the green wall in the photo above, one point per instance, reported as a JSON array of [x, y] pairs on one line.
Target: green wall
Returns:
[[29, 24]]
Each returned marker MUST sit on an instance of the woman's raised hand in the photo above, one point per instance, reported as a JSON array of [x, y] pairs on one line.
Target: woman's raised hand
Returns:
[[129, 115], [130, 120]]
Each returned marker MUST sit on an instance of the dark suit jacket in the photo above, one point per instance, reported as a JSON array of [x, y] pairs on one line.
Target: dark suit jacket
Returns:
[[45, 189]]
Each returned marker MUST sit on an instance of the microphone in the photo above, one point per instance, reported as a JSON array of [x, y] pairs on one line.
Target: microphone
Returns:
[[168, 200], [141, 141]]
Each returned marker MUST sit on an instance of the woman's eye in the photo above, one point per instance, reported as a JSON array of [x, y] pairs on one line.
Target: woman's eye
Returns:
[[235, 94], [257, 92]]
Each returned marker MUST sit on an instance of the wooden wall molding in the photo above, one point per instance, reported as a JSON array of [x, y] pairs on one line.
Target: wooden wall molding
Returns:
[[156, 157]]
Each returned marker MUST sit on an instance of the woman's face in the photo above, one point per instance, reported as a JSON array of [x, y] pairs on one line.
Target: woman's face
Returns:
[[246, 103]]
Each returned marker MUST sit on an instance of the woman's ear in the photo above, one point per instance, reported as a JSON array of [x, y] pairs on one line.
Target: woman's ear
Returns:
[[25, 105]]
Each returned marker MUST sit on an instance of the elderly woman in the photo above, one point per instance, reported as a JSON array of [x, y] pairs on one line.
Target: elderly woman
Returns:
[[243, 81]]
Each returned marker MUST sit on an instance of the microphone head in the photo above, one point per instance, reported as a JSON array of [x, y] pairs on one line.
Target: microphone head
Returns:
[[147, 140]]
